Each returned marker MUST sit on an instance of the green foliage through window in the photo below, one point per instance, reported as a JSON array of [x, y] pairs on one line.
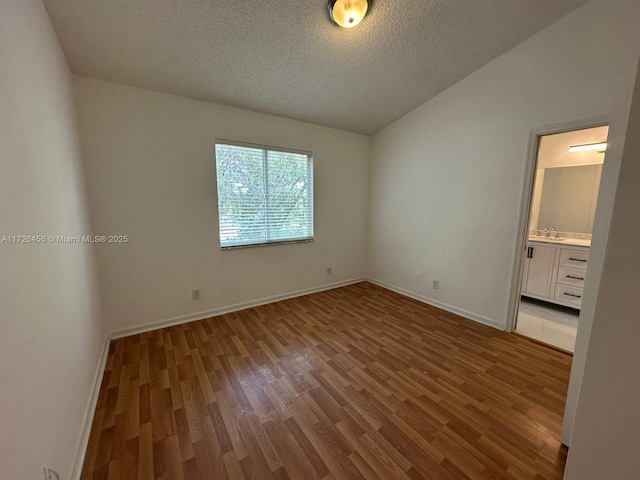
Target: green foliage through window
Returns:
[[264, 196]]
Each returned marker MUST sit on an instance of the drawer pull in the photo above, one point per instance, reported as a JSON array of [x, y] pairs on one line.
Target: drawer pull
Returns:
[[572, 295], [575, 278], [577, 259]]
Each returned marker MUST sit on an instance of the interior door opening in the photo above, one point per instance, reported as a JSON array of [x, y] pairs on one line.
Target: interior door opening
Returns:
[[566, 184]]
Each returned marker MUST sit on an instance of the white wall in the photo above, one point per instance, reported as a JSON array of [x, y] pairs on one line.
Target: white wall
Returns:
[[151, 176], [607, 426], [447, 179], [51, 336]]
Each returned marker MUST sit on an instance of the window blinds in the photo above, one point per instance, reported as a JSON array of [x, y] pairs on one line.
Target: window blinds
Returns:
[[265, 195]]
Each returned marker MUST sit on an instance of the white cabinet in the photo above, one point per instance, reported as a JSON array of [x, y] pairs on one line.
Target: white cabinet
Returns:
[[555, 273], [539, 270]]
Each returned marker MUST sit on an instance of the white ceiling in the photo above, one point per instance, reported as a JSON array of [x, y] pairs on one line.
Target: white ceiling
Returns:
[[285, 57]]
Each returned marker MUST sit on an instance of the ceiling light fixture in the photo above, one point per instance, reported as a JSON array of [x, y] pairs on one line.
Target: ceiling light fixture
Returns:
[[588, 147], [348, 13]]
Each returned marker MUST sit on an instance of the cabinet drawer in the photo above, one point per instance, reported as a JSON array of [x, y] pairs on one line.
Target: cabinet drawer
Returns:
[[569, 295], [574, 259], [571, 277]]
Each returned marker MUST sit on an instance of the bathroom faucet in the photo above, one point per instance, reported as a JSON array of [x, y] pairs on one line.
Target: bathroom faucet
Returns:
[[547, 231]]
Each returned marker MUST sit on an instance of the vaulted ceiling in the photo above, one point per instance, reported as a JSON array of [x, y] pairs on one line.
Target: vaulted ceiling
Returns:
[[285, 57]]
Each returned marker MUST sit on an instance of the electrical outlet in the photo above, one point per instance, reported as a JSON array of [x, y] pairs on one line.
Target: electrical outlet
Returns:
[[50, 474], [416, 277], [195, 294], [329, 272], [436, 284]]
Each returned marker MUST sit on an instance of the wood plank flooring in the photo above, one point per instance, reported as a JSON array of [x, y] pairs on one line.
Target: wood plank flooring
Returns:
[[356, 382]]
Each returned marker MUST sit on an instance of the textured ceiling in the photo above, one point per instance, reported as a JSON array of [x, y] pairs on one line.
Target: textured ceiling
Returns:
[[285, 57]]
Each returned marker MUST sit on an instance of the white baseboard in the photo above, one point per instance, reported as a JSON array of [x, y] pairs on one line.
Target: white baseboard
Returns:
[[436, 303], [90, 411], [191, 317]]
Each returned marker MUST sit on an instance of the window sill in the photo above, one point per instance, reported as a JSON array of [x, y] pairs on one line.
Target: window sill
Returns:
[[267, 244]]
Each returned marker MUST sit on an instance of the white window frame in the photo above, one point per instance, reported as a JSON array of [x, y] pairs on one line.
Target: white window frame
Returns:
[[311, 199]]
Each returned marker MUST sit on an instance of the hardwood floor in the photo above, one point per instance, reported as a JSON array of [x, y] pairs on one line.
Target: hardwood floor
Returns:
[[356, 382]]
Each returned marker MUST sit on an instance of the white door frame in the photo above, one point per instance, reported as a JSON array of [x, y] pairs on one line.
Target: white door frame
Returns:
[[527, 197]]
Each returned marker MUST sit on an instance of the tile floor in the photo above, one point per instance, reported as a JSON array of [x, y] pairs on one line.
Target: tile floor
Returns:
[[548, 323]]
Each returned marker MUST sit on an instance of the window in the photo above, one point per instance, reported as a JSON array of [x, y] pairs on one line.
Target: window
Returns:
[[265, 194]]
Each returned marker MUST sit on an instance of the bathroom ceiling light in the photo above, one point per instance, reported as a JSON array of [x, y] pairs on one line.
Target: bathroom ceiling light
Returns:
[[348, 13], [588, 147]]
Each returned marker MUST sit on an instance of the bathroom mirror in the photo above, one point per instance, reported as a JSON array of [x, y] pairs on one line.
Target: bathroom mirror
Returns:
[[565, 198]]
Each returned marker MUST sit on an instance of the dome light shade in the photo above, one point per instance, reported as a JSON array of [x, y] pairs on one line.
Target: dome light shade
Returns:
[[348, 13]]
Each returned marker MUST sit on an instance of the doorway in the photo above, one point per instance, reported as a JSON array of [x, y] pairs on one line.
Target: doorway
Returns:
[[555, 259]]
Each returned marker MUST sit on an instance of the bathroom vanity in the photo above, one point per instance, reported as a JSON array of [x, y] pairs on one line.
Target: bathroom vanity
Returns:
[[555, 270]]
